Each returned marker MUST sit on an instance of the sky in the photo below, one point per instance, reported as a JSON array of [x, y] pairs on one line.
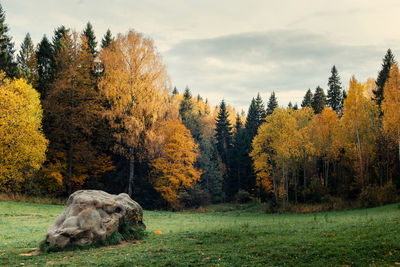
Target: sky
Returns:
[[230, 49]]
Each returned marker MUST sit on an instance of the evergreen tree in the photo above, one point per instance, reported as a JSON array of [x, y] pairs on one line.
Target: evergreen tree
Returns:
[[45, 64], [335, 97], [90, 38], [26, 58], [290, 105], [295, 107], [252, 122], [175, 91], [7, 63], [105, 42], [319, 100], [383, 75], [223, 133], [272, 104], [189, 118], [261, 113], [307, 100], [60, 35]]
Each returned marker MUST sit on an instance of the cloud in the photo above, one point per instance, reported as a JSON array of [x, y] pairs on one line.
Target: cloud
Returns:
[[285, 61]]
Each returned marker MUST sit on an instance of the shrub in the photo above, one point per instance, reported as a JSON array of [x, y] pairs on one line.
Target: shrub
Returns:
[[316, 191], [194, 197], [373, 195], [242, 196]]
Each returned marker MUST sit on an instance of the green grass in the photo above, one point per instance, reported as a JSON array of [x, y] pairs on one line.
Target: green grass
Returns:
[[243, 237]]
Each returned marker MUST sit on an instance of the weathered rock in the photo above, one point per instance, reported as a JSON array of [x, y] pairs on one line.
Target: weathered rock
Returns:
[[91, 216]]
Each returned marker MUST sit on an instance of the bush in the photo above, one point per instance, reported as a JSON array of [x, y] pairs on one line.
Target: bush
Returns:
[[242, 196], [316, 191], [194, 197], [373, 195]]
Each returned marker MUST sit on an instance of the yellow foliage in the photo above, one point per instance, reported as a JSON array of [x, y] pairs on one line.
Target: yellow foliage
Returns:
[[391, 105], [174, 168], [22, 143]]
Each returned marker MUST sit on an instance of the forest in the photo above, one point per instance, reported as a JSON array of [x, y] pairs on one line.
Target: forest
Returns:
[[77, 112]]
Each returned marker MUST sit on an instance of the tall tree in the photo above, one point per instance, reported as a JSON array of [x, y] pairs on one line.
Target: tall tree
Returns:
[[91, 39], [307, 100], [134, 84], [272, 104], [383, 75], [319, 100], [22, 142], [175, 91], [7, 63], [190, 118], [72, 108], [391, 105], [335, 97], [223, 133], [174, 169], [261, 112], [45, 66], [27, 60]]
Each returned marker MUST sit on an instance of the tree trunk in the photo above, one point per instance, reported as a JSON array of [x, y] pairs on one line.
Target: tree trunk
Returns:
[[70, 162], [131, 171], [275, 187], [359, 153]]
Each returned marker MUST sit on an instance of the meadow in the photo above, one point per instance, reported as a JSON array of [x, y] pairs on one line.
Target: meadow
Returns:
[[219, 237]]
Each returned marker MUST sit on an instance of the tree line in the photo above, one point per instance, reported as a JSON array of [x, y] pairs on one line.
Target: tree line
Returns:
[[78, 115]]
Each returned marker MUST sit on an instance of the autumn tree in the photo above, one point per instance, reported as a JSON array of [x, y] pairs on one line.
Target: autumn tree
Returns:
[[174, 169], [72, 108], [391, 106], [22, 142], [334, 97], [359, 127], [134, 84], [324, 131]]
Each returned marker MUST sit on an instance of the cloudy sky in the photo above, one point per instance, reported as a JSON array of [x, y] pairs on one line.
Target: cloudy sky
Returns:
[[230, 49]]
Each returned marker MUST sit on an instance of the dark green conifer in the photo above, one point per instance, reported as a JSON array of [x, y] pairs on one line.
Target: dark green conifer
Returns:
[[272, 104], [319, 100], [91, 39], [7, 63], [105, 42], [307, 100], [335, 97], [383, 75]]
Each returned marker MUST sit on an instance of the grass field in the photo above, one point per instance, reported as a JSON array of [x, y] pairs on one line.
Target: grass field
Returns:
[[245, 237]]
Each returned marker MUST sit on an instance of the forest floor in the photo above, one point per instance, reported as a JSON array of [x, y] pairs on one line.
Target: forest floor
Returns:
[[218, 237]]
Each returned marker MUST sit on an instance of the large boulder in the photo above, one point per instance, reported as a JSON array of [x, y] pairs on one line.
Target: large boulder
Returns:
[[91, 216]]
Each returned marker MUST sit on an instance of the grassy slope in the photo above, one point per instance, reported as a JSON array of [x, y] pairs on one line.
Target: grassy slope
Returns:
[[233, 238]]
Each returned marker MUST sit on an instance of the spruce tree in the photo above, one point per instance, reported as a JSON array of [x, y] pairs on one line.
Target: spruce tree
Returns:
[[334, 97], [175, 91], [290, 105], [383, 75], [223, 133], [45, 65], [7, 63], [252, 122], [60, 34], [272, 104], [319, 100], [189, 118], [91, 39], [307, 100], [295, 107], [105, 42], [25, 58], [261, 113]]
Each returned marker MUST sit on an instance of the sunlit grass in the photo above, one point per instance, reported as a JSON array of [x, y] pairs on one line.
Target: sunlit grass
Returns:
[[229, 238]]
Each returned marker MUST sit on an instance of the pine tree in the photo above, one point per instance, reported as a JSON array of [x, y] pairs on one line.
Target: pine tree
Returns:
[[105, 42], [175, 91], [272, 104], [319, 100], [188, 116], [290, 105], [261, 113], [295, 107], [45, 65], [307, 100], [60, 35], [252, 122], [26, 59], [7, 63], [383, 75], [223, 133], [335, 97], [91, 39]]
